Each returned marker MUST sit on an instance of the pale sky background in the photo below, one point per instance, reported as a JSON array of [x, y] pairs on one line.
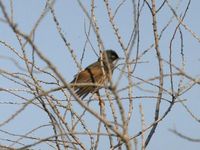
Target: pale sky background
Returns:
[[72, 20]]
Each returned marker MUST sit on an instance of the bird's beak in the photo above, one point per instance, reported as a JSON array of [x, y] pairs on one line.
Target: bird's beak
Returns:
[[121, 58]]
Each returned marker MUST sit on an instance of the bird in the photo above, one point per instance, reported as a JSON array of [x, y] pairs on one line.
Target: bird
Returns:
[[99, 72]]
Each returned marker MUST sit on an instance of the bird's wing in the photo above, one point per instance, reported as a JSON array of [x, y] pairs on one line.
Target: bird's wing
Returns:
[[89, 75]]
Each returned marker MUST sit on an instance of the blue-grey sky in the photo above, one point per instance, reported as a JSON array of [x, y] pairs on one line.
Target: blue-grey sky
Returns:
[[72, 21]]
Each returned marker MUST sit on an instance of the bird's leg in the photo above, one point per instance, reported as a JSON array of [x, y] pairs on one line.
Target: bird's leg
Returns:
[[101, 102]]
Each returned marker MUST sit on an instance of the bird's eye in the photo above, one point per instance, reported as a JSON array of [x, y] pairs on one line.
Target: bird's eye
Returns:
[[113, 57]]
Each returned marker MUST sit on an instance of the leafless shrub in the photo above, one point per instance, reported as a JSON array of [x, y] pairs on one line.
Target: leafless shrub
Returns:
[[152, 74]]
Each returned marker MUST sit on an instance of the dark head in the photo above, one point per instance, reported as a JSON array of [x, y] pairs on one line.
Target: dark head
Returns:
[[111, 55]]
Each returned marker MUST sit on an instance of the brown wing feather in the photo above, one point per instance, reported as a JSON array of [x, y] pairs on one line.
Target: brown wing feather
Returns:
[[89, 75], [92, 74]]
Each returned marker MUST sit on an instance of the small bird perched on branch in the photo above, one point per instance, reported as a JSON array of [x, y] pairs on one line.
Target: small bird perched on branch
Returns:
[[99, 73]]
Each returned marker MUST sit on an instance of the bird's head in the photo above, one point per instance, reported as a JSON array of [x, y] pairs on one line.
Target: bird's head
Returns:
[[111, 55]]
